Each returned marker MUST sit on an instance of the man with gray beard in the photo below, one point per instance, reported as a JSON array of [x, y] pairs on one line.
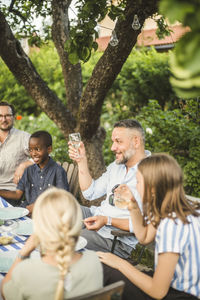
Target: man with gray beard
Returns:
[[128, 145]]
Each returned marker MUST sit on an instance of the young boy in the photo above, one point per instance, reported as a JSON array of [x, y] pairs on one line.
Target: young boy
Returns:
[[43, 174]]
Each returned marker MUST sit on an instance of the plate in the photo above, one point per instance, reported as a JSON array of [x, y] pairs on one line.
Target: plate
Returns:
[[24, 228], [81, 243], [9, 213]]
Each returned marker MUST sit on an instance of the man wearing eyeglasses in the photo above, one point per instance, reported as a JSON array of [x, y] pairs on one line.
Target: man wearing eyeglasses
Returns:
[[14, 155], [128, 145]]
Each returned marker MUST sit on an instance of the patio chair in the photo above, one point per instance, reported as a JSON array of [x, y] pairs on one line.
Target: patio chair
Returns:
[[72, 177]]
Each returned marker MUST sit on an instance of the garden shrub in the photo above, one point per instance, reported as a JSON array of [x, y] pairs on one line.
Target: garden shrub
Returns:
[[144, 76]]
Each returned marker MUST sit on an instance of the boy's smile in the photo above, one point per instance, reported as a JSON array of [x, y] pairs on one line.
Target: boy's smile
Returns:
[[39, 152]]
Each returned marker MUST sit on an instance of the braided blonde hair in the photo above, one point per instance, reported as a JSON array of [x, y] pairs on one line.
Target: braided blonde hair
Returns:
[[57, 223]]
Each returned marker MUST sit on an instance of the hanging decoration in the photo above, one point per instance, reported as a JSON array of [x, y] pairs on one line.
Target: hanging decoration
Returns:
[[114, 40], [136, 24]]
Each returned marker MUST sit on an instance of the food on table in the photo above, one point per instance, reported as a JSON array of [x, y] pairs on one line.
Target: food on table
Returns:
[[4, 240]]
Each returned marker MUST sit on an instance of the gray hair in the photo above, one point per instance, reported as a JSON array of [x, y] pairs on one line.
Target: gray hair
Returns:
[[131, 124]]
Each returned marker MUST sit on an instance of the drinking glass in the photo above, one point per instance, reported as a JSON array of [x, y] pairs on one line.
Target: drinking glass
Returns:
[[75, 139], [121, 201]]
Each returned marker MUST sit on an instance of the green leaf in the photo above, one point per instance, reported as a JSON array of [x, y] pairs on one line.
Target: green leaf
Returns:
[[67, 45], [85, 54], [73, 58], [176, 10], [95, 46]]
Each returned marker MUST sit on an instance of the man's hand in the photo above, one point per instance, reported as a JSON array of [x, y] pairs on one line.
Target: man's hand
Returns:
[[95, 222], [18, 173], [85, 178], [20, 170], [77, 154]]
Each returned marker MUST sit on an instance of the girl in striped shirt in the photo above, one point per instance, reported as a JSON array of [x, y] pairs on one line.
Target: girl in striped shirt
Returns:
[[174, 223]]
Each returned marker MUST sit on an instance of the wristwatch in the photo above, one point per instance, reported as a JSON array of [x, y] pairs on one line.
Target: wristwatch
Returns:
[[109, 221]]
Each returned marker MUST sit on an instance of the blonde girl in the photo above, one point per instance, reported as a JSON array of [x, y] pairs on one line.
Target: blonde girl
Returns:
[[174, 223], [61, 272]]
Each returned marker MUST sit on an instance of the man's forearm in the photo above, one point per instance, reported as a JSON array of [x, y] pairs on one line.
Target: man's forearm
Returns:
[[85, 178], [26, 164], [20, 170], [120, 223], [13, 195]]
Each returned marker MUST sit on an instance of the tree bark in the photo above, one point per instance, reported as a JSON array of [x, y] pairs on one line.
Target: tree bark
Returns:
[[71, 73]]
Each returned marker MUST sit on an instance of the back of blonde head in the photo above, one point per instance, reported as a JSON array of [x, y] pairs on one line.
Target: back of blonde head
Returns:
[[57, 223]]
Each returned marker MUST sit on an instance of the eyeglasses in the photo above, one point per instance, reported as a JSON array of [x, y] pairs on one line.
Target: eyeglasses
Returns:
[[111, 197], [8, 116]]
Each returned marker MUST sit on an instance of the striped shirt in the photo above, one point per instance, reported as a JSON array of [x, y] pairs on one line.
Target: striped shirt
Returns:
[[174, 236]]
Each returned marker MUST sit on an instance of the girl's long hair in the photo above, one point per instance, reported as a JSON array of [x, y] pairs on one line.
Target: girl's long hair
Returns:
[[164, 195], [57, 221]]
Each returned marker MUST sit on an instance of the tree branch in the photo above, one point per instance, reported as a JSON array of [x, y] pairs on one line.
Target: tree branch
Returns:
[[22, 68], [71, 73], [16, 12]]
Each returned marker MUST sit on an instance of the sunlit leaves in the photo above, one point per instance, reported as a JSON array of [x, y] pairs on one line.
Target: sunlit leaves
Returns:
[[185, 61], [84, 30], [20, 16], [163, 28]]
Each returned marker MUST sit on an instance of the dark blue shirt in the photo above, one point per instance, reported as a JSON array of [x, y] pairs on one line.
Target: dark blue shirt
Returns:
[[35, 180]]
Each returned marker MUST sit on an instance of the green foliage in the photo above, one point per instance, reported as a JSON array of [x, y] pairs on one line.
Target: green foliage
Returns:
[[144, 76], [32, 124], [88, 67], [83, 30], [11, 91], [48, 66], [176, 132], [163, 28], [147, 258], [20, 15], [185, 60], [185, 66]]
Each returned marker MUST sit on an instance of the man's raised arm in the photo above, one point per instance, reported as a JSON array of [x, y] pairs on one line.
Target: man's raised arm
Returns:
[[79, 156]]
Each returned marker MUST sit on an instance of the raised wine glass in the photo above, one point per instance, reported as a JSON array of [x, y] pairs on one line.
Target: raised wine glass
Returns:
[[75, 139]]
